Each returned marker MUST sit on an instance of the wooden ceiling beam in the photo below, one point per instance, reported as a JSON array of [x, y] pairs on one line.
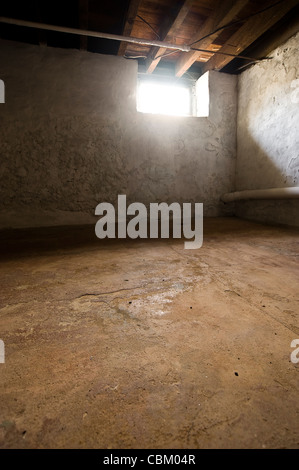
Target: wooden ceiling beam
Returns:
[[131, 15], [224, 13], [83, 22], [248, 33], [170, 30]]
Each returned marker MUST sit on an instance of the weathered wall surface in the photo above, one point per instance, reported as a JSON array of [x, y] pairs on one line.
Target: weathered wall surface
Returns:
[[71, 138], [268, 133]]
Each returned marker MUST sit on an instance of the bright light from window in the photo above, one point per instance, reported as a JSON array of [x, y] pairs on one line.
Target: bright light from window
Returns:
[[161, 98]]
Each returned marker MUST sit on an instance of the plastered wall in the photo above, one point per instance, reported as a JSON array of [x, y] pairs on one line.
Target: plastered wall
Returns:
[[268, 133], [71, 138]]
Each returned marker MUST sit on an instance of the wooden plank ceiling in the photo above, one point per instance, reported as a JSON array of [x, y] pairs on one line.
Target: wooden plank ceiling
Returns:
[[221, 27], [216, 30]]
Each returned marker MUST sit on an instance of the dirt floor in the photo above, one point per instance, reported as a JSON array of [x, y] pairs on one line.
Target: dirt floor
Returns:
[[143, 344]]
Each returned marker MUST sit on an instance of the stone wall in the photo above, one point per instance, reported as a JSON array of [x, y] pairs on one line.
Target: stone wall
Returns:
[[71, 138], [268, 133]]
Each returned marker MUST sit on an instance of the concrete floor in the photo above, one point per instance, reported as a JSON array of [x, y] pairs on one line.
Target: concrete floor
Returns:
[[143, 344]]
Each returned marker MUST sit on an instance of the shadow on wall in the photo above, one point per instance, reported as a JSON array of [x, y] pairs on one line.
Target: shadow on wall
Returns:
[[268, 139], [284, 212], [260, 167], [267, 167], [268, 134]]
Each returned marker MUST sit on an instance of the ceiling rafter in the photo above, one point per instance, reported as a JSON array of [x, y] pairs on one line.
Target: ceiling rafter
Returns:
[[209, 32], [225, 12], [248, 33], [129, 22], [170, 29]]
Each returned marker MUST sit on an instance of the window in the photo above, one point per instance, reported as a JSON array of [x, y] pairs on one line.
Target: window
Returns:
[[173, 97], [160, 97]]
